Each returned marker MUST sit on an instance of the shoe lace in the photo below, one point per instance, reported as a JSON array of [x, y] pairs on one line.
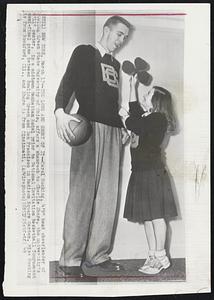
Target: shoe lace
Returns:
[[156, 264], [149, 260]]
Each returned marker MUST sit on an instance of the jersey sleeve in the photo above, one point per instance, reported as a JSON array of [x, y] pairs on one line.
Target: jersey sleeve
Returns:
[[68, 83]]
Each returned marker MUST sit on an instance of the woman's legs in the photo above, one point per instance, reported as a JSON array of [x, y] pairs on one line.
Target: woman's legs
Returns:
[[150, 235], [156, 237], [156, 234], [160, 253], [159, 226]]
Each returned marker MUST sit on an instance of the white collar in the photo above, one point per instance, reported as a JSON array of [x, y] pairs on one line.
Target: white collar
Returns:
[[102, 49], [146, 114]]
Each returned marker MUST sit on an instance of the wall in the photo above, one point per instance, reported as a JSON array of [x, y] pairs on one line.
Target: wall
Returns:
[[159, 40]]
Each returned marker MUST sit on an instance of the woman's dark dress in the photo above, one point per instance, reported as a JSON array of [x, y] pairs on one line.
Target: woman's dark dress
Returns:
[[149, 194]]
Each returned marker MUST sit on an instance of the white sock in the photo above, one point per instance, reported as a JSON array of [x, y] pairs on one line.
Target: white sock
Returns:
[[160, 254], [151, 253]]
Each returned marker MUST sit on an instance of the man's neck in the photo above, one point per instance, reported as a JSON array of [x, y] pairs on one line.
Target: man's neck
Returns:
[[103, 45]]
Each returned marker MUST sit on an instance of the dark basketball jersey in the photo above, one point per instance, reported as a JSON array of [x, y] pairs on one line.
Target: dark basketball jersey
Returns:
[[95, 81]]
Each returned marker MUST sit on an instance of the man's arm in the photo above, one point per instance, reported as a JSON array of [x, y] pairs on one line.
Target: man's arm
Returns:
[[62, 125], [66, 89]]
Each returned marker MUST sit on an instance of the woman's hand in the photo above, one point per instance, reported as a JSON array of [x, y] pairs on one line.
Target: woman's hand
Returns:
[[133, 81]]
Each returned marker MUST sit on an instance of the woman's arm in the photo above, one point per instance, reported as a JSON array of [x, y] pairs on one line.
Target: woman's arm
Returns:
[[132, 98], [134, 122], [155, 124], [133, 88]]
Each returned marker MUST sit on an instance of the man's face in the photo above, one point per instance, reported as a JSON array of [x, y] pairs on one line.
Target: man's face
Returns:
[[115, 36]]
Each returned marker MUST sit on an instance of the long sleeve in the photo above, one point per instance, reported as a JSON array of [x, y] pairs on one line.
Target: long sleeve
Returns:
[[134, 121], [68, 83], [135, 110], [153, 126]]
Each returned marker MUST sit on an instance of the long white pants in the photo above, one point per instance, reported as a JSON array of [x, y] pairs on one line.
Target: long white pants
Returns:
[[92, 202]]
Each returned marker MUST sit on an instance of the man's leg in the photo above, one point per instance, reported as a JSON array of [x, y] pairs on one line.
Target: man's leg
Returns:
[[108, 153], [79, 205]]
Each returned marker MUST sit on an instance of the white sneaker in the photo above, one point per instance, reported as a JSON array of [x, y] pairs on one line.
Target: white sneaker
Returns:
[[149, 262], [158, 265]]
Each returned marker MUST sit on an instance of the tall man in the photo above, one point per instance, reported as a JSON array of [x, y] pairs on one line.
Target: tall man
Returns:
[[93, 75]]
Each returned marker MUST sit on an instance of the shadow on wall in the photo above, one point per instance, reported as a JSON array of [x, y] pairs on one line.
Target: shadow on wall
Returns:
[[129, 40], [164, 146], [163, 156]]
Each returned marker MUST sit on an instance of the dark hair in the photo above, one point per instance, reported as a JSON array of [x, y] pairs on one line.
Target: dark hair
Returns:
[[115, 20], [162, 102]]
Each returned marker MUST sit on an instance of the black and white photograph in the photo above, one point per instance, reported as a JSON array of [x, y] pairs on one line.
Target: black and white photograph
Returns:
[[122, 185], [111, 159]]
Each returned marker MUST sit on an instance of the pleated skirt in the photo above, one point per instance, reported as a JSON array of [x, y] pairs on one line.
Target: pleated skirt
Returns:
[[149, 196]]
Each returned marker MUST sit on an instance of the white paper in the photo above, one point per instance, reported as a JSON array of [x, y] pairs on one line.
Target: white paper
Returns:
[[175, 40]]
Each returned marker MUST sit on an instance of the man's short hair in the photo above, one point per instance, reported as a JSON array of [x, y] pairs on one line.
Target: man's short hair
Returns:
[[115, 20]]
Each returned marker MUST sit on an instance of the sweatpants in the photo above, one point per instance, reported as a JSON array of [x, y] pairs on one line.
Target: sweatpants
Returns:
[[92, 202]]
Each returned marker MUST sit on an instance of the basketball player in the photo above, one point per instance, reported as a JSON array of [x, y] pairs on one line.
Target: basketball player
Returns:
[[93, 75]]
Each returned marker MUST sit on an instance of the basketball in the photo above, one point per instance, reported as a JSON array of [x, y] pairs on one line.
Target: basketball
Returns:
[[82, 130]]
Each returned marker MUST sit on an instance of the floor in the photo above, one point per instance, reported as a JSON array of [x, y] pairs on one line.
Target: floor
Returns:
[[176, 272]]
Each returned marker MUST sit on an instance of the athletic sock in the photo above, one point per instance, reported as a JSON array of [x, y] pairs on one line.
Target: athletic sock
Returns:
[[151, 253], [160, 253], [163, 259]]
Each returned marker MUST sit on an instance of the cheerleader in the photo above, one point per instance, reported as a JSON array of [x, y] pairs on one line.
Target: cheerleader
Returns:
[[149, 198]]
